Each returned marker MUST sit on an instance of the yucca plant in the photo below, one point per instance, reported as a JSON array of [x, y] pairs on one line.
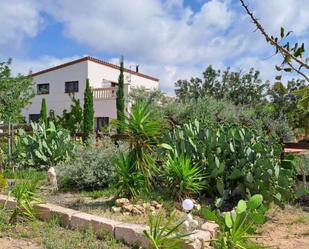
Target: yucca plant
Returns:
[[25, 196], [184, 178], [143, 131], [128, 181], [162, 234]]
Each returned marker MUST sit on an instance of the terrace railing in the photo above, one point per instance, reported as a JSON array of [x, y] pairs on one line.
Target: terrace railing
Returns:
[[104, 93]]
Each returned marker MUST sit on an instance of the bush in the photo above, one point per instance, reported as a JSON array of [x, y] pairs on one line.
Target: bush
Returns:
[[129, 181], [44, 147], [183, 178], [92, 167], [239, 162]]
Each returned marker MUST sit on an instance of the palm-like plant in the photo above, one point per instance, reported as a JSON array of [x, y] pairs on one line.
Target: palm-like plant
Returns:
[[143, 130], [164, 235], [128, 182], [182, 177]]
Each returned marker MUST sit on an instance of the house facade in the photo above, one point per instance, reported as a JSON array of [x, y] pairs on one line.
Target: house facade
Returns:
[[59, 83]]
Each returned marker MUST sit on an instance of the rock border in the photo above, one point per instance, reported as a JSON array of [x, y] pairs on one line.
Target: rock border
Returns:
[[131, 234]]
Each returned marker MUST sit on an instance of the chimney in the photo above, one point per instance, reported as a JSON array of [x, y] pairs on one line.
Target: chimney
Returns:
[[137, 66]]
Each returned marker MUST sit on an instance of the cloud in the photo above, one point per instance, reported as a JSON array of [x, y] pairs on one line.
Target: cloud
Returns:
[[25, 65], [165, 37], [18, 20]]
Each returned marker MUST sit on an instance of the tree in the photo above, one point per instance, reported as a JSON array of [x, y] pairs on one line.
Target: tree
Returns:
[[43, 112], [15, 94], [72, 120], [240, 88], [88, 110], [120, 98]]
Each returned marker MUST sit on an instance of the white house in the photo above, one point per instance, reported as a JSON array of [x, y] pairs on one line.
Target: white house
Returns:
[[56, 84]]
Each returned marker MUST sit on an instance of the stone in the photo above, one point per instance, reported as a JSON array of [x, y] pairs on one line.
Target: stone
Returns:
[[81, 221], [9, 202], [211, 227], [128, 208], [195, 244], [100, 224], [154, 203], [116, 209], [140, 208], [158, 206], [121, 202], [203, 236], [52, 178], [42, 211], [64, 214], [136, 211], [132, 234]]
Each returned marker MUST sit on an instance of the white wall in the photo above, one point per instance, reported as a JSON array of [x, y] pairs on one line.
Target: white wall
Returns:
[[57, 99]]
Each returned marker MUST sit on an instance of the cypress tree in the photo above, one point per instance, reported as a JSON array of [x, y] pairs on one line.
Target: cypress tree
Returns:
[[120, 98], [43, 112], [88, 110]]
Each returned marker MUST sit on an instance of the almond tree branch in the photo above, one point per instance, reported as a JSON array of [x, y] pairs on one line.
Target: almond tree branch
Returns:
[[282, 50], [298, 71]]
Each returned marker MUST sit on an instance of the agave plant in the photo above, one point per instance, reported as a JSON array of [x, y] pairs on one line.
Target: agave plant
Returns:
[[183, 177], [163, 234]]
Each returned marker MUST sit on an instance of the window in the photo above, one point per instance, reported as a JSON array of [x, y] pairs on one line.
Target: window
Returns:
[[34, 117], [71, 87], [43, 88], [100, 122]]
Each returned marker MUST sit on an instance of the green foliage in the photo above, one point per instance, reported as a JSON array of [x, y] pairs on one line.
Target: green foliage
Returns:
[[24, 193], [163, 234], [31, 175], [237, 226], [183, 178], [3, 182], [240, 89], [43, 112], [143, 131], [71, 121], [239, 162], [120, 101], [15, 93], [129, 180], [91, 167], [44, 147], [88, 110]]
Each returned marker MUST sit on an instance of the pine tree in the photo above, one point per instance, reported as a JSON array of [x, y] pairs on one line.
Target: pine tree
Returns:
[[43, 112], [120, 98], [88, 110]]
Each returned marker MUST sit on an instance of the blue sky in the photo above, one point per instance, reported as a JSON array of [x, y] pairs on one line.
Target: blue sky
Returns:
[[169, 39]]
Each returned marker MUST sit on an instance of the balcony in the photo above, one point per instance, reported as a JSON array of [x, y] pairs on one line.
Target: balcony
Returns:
[[104, 93]]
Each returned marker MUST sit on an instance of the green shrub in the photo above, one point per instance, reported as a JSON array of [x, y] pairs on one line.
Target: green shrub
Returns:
[[237, 226], [44, 147], [128, 181], [91, 168], [25, 195], [183, 178], [239, 162]]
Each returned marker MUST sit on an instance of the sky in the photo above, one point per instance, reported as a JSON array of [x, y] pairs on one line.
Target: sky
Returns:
[[169, 39]]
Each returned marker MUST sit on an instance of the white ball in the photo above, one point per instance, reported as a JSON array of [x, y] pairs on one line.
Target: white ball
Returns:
[[187, 204]]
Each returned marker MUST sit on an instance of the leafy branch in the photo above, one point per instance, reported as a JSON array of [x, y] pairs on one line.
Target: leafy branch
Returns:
[[290, 55]]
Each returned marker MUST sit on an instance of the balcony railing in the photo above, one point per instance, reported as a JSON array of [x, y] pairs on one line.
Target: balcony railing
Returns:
[[104, 93]]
